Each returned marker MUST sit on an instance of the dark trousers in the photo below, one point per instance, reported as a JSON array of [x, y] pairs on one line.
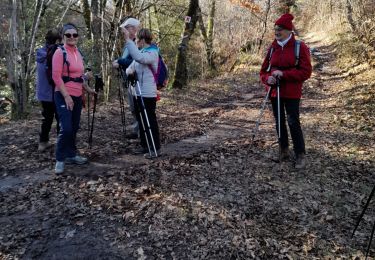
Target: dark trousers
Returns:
[[291, 106], [150, 105], [48, 113], [69, 125]]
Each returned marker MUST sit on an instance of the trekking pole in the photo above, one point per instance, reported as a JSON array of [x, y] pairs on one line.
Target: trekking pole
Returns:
[[98, 86], [278, 115], [88, 108], [142, 120], [121, 100], [360, 218], [261, 112], [147, 121]]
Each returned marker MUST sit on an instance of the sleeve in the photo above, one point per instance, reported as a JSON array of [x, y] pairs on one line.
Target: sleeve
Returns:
[[125, 62], [57, 67], [141, 57], [264, 74], [304, 70]]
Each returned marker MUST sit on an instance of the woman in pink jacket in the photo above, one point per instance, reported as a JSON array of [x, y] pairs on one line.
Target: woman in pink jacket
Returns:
[[69, 79]]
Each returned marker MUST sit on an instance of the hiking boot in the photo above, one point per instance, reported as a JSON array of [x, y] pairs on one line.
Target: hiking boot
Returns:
[[76, 160], [132, 136], [43, 146], [140, 151], [281, 156], [300, 161], [284, 154], [59, 167], [152, 155]]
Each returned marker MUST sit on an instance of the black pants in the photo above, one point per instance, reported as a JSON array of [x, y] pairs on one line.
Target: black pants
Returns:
[[291, 106], [48, 113], [150, 105]]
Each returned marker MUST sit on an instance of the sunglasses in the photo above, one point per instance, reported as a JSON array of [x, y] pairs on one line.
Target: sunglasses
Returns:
[[69, 35]]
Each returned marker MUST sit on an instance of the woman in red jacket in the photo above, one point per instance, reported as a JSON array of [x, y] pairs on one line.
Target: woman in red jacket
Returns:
[[282, 64]]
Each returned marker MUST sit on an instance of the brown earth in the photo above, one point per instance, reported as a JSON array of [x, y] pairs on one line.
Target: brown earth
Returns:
[[212, 194]]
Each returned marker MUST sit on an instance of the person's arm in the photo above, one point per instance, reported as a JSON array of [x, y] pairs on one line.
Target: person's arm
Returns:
[[57, 68], [125, 62], [148, 57], [265, 76]]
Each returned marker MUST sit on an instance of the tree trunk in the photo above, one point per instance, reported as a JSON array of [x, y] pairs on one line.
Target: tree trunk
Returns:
[[180, 75], [31, 47], [349, 15], [159, 37], [264, 25], [64, 13], [210, 35], [14, 63], [87, 16]]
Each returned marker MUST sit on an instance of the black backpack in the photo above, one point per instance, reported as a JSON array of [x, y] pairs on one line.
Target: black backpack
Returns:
[[50, 52]]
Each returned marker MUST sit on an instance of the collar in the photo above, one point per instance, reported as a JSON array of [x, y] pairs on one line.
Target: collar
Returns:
[[70, 48], [284, 42]]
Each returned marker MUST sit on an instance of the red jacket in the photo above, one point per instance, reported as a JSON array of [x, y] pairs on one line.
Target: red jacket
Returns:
[[284, 59]]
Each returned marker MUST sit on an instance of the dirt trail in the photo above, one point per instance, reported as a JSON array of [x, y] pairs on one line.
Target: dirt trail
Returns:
[[210, 196]]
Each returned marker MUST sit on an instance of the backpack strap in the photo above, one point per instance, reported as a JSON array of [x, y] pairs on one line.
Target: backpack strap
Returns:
[[153, 72], [83, 56], [297, 50], [269, 59], [65, 59]]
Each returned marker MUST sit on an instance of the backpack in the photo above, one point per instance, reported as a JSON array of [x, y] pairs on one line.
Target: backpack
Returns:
[[161, 75], [51, 49], [50, 52], [297, 50]]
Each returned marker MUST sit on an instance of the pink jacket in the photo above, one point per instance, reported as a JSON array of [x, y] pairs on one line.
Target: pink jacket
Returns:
[[76, 69]]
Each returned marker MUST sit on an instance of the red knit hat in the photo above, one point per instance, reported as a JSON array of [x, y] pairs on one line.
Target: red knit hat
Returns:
[[285, 21]]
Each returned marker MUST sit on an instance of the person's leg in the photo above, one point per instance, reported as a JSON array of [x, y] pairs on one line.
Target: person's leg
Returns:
[[134, 124], [138, 109], [48, 111], [292, 110], [76, 119], [150, 104], [64, 140], [57, 119], [284, 144]]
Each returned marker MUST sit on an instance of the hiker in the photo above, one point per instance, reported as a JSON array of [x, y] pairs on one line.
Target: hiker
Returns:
[[132, 25], [44, 90], [68, 75], [145, 62], [282, 64]]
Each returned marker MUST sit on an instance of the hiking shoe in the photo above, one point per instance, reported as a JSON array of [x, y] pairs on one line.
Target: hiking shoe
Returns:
[[132, 136], [140, 151], [59, 167], [284, 154], [43, 146], [300, 161], [76, 160], [152, 155]]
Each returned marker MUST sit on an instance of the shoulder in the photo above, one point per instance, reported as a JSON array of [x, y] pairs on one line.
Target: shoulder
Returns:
[[304, 46], [58, 52]]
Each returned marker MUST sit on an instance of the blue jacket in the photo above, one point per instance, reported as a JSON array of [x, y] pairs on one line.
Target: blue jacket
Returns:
[[43, 88]]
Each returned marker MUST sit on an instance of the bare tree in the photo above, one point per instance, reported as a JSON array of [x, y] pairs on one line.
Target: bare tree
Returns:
[[208, 35], [14, 63], [180, 75]]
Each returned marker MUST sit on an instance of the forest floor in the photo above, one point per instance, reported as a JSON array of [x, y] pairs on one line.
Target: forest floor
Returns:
[[211, 195]]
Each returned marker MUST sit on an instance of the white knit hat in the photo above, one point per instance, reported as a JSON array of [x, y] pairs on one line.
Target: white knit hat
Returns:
[[131, 21]]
